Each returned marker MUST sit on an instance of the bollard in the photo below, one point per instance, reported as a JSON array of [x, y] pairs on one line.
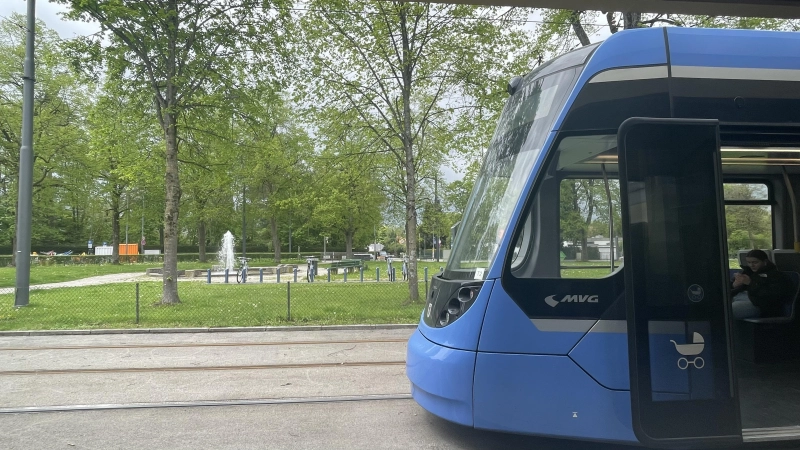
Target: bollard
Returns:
[[329, 275], [209, 276], [426, 275], [288, 301], [278, 274], [226, 275], [361, 272], [137, 303], [295, 274], [345, 274], [377, 274], [261, 275]]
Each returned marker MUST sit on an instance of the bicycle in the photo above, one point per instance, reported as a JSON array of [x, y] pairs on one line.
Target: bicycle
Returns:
[[241, 273]]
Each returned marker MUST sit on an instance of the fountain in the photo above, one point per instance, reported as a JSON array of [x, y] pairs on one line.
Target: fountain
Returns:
[[226, 255]]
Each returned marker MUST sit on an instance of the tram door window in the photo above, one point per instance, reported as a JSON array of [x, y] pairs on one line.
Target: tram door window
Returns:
[[591, 237], [748, 218]]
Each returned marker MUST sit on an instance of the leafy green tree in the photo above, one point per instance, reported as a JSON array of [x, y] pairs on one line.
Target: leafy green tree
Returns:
[[120, 149], [351, 199], [410, 71], [178, 50], [59, 136]]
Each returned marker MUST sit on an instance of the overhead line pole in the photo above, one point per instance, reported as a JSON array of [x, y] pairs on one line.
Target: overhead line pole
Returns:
[[25, 199]]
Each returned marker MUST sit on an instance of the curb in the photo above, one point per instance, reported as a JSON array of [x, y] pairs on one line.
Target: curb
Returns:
[[209, 330]]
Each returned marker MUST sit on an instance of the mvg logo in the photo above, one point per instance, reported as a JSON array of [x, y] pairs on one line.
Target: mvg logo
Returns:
[[551, 300]]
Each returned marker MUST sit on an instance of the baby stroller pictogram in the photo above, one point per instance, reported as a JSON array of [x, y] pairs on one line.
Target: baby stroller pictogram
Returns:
[[695, 348]]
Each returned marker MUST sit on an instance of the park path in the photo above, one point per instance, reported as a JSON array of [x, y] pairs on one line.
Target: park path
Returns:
[[89, 281], [132, 277]]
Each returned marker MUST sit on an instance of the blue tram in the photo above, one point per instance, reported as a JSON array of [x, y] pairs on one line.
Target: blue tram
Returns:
[[657, 140]]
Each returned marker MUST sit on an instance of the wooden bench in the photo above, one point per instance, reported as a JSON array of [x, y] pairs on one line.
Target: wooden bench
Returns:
[[349, 265]]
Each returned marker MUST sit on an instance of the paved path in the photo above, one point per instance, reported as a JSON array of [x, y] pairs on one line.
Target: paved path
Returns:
[[259, 390]]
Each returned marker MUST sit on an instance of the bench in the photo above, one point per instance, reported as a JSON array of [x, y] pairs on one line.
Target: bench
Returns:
[[770, 339], [350, 265]]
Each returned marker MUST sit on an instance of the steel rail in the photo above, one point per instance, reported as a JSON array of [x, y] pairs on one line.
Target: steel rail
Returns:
[[209, 344], [204, 403], [200, 368]]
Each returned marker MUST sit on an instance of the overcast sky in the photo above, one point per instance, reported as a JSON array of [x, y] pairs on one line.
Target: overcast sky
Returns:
[[49, 13]]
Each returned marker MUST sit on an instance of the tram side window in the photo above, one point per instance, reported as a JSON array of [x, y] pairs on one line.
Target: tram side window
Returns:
[[748, 218], [591, 236]]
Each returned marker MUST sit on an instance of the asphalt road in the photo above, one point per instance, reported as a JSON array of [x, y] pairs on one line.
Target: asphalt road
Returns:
[[327, 389]]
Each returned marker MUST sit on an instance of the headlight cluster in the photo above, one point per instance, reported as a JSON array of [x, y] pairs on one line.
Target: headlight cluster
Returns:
[[458, 305]]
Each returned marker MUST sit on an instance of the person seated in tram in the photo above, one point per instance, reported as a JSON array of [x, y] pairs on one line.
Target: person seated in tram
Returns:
[[759, 289]]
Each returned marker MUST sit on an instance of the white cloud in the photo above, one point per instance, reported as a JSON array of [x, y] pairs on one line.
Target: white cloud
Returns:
[[50, 14]]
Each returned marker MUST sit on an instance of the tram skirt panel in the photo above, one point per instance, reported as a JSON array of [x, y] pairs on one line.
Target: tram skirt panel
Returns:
[[441, 378], [547, 395]]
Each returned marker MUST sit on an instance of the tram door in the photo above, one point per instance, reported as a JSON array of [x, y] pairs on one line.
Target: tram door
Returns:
[[683, 388]]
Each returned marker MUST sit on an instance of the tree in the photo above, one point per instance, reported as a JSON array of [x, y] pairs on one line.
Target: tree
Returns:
[[351, 198], [177, 50], [59, 135], [409, 71], [119, 150]]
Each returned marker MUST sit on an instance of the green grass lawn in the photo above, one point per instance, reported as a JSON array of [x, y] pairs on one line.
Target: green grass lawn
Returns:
[[214, 305]]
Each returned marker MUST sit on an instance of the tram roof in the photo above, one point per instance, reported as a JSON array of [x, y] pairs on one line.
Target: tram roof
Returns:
[[783, 9]]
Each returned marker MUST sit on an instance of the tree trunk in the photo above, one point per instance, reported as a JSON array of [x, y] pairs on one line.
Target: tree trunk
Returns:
[[276, 242], [171, 212], [408, 147], [348, 244], [632, 20], [201, 239], [171, 180], [575, 20]]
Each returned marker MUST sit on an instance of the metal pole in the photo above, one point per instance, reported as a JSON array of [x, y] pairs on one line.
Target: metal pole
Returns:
[[25, 199], [209, 276], [288, 301], [244, 223], [137, 303]]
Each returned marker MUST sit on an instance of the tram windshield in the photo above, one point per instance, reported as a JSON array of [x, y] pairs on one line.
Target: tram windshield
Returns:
[[521, 132]]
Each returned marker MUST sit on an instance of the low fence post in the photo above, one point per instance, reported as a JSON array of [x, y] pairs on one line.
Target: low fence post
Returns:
[[329, 275], [261, 275], [295, 274], [288, 301], [361, 273], [208, 275], [377, 274], [426, 281], [345, 274], [137, 303], [226, 275], [278, 274]]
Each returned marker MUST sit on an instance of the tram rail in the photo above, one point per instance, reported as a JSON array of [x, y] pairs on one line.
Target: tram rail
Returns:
[[204, 344], [206, 403]]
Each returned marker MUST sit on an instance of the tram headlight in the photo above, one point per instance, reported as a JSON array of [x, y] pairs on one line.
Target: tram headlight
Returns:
[[449, 303], [466, 294], [454, 307], [444, 318]]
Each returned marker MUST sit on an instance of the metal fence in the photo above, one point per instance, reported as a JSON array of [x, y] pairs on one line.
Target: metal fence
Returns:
[[208, 300]]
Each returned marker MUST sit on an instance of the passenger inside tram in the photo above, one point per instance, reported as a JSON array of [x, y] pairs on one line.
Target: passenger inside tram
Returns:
[[760, 289]]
